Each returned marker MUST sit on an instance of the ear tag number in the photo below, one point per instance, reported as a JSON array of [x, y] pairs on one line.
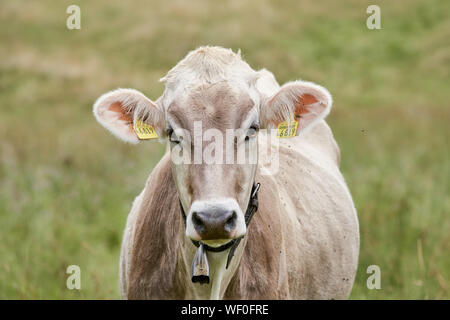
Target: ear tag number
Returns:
[[144, 131], [287, 130]]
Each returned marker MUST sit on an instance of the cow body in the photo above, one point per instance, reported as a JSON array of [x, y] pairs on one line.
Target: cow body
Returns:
[[303, 242]]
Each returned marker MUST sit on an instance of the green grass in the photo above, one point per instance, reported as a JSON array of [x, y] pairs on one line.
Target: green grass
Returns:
[[66, 185]]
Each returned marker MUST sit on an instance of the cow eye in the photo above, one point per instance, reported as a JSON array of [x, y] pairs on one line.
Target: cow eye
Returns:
[[172, 136], [252, 132]]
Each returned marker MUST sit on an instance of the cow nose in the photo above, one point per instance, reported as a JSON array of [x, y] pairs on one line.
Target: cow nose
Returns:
[[215, 223]]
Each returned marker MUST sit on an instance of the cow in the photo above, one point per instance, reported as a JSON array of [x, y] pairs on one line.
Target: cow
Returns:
[[303, 240]]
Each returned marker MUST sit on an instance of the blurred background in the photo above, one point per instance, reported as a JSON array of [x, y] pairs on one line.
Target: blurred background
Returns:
[[67, 185]]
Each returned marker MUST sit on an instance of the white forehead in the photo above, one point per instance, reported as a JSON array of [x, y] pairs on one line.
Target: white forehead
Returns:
[[209, 65]]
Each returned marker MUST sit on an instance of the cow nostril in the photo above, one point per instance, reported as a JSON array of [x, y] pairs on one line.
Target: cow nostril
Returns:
[[230, 224], [198, 222]]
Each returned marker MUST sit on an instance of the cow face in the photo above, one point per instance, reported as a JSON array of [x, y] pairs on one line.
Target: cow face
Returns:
[[210, 113], [213, 131]]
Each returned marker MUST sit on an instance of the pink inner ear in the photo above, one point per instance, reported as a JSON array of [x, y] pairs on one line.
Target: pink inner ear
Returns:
[[301, 105], [117, 107], [303, 112]]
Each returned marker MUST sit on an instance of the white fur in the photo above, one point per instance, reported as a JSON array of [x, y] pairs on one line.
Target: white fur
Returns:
[[133, 102], [281, 105], [127, 245], [266, 83], [218, 273], [208, 65]]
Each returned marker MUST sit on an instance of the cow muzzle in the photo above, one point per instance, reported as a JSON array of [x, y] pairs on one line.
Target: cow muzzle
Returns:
[[215, 221], [229, 221]]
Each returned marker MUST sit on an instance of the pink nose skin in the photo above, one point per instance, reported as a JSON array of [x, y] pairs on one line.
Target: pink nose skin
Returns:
[[215, 223]]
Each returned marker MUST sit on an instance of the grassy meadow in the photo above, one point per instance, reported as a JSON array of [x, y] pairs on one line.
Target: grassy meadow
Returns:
[[66, 185]]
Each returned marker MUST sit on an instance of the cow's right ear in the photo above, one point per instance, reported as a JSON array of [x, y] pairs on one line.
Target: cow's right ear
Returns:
[[120, 110]]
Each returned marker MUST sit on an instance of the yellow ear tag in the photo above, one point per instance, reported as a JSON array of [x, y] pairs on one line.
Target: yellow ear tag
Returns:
[[144, 131], [287, 131]]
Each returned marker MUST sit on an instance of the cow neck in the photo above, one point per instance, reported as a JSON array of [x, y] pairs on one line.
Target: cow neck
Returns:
[[233, 244]]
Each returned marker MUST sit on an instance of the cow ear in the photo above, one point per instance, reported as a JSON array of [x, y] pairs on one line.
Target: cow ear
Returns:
[[306, 102], [120, 110]]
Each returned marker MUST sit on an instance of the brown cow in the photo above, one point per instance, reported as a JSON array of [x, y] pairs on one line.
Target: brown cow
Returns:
[[303, 241]]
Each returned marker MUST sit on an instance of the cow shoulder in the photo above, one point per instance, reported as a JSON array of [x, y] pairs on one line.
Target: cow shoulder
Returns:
[[262, 272], [153, 270]]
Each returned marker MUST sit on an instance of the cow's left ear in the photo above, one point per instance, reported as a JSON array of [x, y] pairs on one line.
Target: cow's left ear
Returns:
[[306, 102]]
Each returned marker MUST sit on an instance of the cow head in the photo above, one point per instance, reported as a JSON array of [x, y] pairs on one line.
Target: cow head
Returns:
[[210, 114]]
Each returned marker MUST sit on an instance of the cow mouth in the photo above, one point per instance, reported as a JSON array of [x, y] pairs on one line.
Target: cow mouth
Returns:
[[216, 243]]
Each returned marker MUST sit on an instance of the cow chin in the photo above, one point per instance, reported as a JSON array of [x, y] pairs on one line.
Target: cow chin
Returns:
[[215, 221]]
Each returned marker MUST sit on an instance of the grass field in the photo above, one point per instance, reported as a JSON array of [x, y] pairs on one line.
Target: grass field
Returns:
[[66, 185]]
